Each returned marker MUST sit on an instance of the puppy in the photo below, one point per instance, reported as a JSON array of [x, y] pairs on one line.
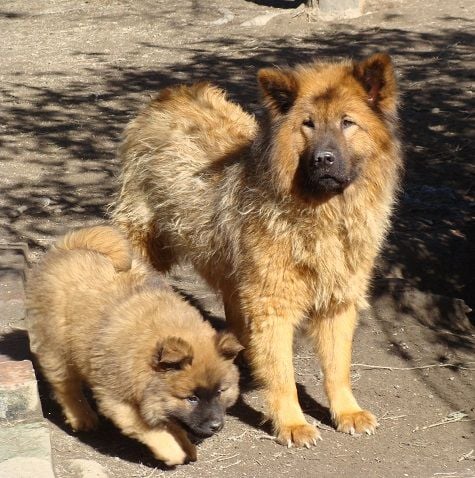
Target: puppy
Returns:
[[101, 317]]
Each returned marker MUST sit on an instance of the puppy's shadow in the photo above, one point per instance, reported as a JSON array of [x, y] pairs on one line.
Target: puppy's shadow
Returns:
[[249, 416], [218, 323], [107, 439], [15, 345]]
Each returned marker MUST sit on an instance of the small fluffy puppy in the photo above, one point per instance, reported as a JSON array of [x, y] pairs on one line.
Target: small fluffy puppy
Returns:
[[99, 316]]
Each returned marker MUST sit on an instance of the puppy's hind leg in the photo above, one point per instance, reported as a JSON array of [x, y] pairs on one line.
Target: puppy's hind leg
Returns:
[[68, 392]]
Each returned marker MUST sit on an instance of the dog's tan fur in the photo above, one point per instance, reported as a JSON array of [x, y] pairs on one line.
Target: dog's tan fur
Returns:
[[202, 180], [100, 316]]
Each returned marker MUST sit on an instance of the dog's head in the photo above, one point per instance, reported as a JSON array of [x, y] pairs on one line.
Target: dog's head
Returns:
[[329, 122], [193, 387]]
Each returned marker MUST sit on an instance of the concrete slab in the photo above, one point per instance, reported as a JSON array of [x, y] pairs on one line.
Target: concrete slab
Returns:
[[19, 399], [25, 450]]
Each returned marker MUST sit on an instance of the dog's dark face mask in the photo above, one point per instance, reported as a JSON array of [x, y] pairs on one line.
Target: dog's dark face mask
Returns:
[[329, 125]]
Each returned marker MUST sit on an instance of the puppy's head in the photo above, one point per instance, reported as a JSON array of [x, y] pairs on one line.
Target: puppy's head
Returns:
[[193, 384]]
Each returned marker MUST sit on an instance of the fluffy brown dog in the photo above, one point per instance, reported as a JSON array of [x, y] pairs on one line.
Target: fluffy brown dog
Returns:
[[284, 217], [155, 367]]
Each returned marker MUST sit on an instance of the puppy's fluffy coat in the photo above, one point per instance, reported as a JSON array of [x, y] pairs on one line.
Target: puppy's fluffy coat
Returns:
[[100, 316]]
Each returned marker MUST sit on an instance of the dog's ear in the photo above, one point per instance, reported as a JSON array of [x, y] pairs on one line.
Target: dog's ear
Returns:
[[228, 345], [173, 353], [376, 74], [279, 89]]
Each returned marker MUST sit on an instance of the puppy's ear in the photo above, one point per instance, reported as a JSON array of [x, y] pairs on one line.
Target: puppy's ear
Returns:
[[279, 89], [227, 345], [173, 353], [376, 74]]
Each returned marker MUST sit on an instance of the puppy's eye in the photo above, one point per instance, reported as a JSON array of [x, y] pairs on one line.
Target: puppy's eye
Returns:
[[346, 123], [221, 390], [308, 123], [193, 399]]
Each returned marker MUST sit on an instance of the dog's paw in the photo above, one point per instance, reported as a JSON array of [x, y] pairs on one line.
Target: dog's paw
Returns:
[[168, 449], [298, 435], [191, 453], [356, 422], [82, 422], [173, 458]]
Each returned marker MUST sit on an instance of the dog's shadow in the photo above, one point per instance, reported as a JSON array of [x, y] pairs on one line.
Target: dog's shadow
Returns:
[[241, 410], [257, 420]]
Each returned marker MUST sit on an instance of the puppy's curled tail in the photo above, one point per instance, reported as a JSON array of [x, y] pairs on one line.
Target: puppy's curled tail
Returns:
[[105, 240]]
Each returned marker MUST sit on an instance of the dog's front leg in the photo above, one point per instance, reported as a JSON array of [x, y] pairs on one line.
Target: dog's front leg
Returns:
[[333, 338], [270, 352]]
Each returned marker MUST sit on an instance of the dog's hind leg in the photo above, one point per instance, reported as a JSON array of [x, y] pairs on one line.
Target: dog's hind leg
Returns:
[[333, 338], [68, 392], [234, 316], [158, 250]]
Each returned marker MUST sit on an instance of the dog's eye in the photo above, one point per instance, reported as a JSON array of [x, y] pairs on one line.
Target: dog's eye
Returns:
[[346, 123], [193, 399], [221, 390], [308, 123]]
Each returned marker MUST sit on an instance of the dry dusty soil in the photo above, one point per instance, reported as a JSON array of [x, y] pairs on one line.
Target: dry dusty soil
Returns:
[[72, 73]]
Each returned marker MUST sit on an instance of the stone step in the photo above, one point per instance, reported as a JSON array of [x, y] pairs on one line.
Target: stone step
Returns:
[[25, 450]]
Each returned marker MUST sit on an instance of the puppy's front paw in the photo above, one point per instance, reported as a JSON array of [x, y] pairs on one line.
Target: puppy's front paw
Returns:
[[298, 435], [356, 422], [173, 452], [175, 459], [191, 452], [82, 422]]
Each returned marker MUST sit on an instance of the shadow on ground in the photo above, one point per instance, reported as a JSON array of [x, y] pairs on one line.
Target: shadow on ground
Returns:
[[107, 439], [430, 241]]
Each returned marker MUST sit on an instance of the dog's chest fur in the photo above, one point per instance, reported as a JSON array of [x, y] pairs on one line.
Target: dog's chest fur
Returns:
[[335, 255]]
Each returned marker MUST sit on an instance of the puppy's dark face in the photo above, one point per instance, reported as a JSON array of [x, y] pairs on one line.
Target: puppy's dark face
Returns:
[[330, 123], [202, 411], [193, 389]]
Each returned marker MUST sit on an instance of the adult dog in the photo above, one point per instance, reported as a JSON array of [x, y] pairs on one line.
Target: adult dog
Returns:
[[284, 216]]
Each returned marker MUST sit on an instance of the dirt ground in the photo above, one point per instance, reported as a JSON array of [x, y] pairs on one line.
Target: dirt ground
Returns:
[[72, 73]]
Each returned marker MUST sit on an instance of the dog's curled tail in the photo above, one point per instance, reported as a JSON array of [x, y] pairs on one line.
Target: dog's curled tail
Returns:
[[105, 240]]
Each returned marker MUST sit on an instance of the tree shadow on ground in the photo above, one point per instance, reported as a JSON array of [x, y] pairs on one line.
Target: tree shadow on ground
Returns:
[[430, 242], [278, 3]]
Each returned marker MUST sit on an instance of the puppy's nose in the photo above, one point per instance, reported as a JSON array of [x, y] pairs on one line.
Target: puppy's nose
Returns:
[[324, 158], [216, 426]]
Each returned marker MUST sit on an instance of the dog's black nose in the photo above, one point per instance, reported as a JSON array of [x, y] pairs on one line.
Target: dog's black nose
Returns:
[[324, 158], [216, 426]]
